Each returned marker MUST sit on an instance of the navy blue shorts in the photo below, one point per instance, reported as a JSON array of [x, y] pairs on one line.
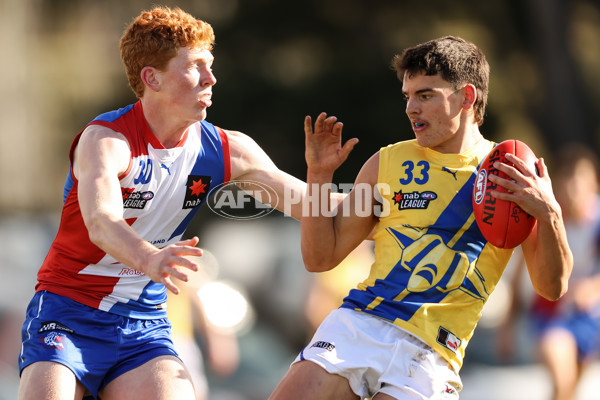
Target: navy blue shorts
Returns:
[[97, 346], [584, 328]]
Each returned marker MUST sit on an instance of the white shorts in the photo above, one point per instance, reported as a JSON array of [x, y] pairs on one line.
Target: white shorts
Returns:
[[377, 356]]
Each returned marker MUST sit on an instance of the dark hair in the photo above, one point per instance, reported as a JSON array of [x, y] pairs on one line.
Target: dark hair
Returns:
[[456, 60]]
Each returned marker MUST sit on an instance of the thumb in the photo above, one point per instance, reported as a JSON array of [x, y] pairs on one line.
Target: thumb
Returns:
[[347, 148]]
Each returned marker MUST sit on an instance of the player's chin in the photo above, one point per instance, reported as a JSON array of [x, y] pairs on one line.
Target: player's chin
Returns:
[[424, 140], [201, 114]]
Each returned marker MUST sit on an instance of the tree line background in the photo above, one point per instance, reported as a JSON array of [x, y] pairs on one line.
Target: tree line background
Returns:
[[277, 61]]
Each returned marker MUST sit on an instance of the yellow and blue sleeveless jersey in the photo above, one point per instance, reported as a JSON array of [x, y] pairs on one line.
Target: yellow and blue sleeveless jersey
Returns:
[[433, 269]]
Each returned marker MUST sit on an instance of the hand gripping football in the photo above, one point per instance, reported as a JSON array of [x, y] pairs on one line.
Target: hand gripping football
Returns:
[[502, 223]]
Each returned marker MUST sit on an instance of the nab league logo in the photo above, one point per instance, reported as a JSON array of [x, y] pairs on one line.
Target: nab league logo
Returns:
[[414, 200], [137, 200], [196, 190]]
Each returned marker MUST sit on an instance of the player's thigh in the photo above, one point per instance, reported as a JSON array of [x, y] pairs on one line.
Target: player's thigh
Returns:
[[49, 381], [162, 378], [306, 380]]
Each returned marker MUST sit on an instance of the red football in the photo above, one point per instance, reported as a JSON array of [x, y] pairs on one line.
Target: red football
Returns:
[[502, 223]]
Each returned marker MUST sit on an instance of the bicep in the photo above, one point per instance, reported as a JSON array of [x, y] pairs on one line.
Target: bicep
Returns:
[[357, 214], [251, 164], [100, 157], [247, 157]]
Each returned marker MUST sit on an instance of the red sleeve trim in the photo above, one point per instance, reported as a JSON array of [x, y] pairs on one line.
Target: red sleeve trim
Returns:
[[226, 155]]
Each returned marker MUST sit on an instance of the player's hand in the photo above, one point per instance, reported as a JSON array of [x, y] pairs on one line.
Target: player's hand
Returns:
[[171, 262], [530, 190], [324, 151]]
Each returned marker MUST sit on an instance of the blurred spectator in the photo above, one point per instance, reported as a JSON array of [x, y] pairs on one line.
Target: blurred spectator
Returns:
[[329, 288], [189, 319], [568, 330], [10, 333]]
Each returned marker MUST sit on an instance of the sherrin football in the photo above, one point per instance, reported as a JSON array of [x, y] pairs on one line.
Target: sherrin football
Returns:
[[502, 223]]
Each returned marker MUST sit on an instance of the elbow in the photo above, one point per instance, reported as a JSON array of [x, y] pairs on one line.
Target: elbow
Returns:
[[316, 264], [94, 229], [554, 286], [556, 291]]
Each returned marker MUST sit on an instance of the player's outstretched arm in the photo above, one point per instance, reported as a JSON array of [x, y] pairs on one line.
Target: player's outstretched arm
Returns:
[[101, 156], [250, 164], [254, 171], [546, 250], [328, 232]]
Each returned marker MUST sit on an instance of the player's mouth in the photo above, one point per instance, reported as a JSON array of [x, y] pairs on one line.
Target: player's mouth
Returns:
[[206, 101], [417, 125]]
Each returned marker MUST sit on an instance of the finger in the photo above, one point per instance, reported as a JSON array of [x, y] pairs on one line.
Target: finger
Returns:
[[347, 148], [173, 271], [329, 122], [308, 131], [509, 170], [169, 285], [184, 262], [184, 256], [337, 129], [194, 241], [498, 180], [519, 164], [542, 169], [320, 122], [189, 242], [507, 184]]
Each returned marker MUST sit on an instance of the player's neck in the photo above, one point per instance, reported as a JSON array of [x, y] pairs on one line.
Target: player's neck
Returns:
[[471, 139], [168, 130], [460, 141]]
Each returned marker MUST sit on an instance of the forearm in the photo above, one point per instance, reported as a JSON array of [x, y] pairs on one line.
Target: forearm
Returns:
[[115, 237], [318, 234], [552, 259]]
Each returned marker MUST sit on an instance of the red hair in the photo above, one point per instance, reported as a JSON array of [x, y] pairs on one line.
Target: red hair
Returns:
[[154, 37]]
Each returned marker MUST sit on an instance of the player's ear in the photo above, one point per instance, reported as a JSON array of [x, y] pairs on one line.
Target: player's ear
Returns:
[[470, 95], [151, 78]]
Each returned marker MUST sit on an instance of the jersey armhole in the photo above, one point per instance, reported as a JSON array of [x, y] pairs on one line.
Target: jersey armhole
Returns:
[[226, 155]]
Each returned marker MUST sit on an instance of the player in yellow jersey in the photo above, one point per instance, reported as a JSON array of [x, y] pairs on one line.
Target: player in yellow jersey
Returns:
[[402, 333]]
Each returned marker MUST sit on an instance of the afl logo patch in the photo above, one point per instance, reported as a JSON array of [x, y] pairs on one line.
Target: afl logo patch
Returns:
[[480, 185]]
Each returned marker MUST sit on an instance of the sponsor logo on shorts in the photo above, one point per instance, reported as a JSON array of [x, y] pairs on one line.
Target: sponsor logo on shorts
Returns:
[[324, 345], [448, 339], [54, 326], [54, 340]]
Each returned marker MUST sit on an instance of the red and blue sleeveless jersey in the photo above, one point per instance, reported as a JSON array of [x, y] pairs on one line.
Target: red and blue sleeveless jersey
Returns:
[[162, 190]]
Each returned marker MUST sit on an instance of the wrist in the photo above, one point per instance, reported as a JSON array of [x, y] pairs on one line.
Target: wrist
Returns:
[[317, 176]]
